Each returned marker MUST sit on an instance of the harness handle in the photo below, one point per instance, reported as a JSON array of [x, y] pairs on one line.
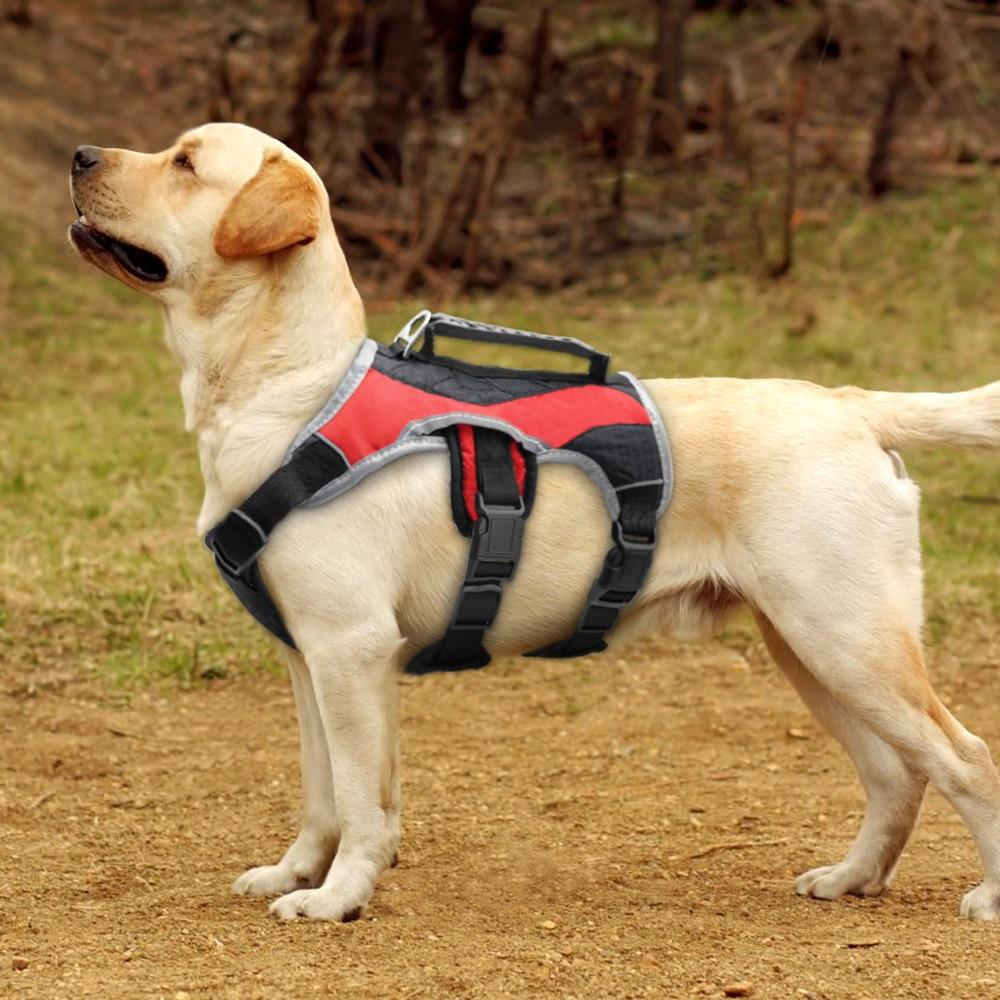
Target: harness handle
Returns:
[[432, 325]]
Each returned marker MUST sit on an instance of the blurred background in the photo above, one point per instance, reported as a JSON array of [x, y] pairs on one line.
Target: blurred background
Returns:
[[796, 188], [472, 145]]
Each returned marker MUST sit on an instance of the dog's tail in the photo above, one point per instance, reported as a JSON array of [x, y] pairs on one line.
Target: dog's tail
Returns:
[[968, 419]]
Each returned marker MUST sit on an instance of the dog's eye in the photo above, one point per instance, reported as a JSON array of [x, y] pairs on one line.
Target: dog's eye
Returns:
[[183, 161]]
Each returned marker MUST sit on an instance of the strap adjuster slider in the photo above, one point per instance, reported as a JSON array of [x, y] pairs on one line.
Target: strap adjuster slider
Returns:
[[236, 542]]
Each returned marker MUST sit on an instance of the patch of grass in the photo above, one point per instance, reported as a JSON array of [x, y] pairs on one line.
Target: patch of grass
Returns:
[[99, 485]]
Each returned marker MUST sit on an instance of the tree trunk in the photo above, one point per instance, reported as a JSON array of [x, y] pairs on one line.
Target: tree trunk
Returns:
[[451, 21], [322, 18], [628, 109], [396, 41], [666, 128], [538, 61], [884, 126]]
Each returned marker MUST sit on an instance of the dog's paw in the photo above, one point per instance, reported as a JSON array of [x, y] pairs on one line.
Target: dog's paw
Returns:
[[834, 881], [276, 880], [318, 904], [982, 903]]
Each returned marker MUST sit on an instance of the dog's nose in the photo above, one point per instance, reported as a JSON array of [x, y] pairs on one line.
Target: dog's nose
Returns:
[[85, 158]]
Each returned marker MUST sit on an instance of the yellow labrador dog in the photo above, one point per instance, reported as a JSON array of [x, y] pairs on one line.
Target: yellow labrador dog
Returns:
[[788, 499]]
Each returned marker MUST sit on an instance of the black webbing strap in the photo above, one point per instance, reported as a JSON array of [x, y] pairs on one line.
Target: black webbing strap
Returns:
[[240, 537], [621, 577], [238, 540], [496, 545]]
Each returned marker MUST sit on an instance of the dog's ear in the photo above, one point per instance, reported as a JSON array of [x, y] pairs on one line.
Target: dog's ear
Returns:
[[279, 207]]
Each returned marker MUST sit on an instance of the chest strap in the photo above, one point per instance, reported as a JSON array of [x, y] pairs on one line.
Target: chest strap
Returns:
[[238, 539]]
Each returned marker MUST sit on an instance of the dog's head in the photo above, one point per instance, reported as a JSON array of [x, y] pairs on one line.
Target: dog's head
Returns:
[[221, 198]]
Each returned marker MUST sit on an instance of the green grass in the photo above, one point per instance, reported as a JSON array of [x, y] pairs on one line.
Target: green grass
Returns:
[[99, 485]]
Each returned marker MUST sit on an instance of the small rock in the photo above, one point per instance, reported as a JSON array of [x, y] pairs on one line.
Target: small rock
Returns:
[[548, 925], [18, 964], [738, 990], [182, 995], [797, 734]]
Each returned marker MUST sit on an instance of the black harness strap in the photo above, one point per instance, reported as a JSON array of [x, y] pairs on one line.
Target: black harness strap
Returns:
[[496, 546], [240, 537], [621, 577]]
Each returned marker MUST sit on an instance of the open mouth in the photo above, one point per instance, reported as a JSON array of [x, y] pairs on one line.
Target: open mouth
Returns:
[[139, 263]]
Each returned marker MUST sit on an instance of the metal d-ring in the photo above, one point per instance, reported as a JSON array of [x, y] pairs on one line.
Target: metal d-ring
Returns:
[[411, 331]]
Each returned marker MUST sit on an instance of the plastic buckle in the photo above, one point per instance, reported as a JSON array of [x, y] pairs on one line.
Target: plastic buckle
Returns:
[[626, 566], [411, 332], [499, 531], [235, 526]]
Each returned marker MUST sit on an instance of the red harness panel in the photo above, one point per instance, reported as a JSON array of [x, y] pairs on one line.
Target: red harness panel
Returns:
[[376, 413]]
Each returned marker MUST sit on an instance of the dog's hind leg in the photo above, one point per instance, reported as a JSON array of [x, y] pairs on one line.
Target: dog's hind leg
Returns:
[[869, 660], [352, 676], [838, 576], [894, 790], [308, 859]]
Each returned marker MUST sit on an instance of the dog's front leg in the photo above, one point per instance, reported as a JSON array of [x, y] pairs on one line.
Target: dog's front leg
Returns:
[[307, 861], [354, 682]]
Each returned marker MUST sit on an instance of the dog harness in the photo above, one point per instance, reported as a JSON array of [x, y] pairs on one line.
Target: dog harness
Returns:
[[497, 424]]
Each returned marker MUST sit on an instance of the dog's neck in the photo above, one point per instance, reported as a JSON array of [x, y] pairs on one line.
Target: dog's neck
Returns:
[[258, 359]]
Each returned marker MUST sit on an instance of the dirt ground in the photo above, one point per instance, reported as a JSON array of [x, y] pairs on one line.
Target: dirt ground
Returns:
[[618, 827]]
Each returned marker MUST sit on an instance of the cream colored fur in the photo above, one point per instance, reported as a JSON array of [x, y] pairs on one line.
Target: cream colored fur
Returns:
[[786, 500]]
